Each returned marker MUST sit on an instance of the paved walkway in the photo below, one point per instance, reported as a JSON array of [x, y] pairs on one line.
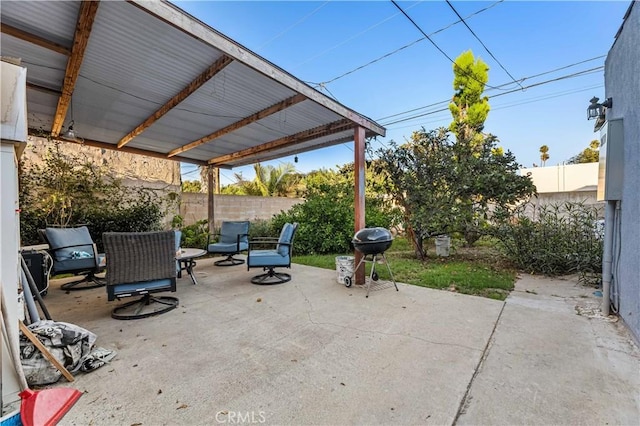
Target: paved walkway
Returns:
[[554, 359], [312, 351]]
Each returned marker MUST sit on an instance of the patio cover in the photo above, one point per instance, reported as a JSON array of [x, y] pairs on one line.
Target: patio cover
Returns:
[[147, 78]]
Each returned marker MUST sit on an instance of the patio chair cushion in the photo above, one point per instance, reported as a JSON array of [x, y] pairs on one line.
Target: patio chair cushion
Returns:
[[228, 241], [285, 237], [73, 243], [124, 290], [268, 258], [73, 250]]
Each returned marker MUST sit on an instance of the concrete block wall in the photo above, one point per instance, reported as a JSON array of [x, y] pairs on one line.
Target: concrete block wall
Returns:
[[194, 207]]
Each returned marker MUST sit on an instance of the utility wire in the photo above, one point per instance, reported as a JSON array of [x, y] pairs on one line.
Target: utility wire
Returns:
[[438, 47], [483, 45], [564, 77], [393, 52], [528, 101], [298, 22], [377, 24], [501, 85]]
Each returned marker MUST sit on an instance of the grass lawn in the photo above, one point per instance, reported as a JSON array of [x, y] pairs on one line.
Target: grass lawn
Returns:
[[479, 270]]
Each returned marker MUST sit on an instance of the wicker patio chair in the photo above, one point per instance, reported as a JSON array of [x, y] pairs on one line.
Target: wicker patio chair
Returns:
[[139, 264]]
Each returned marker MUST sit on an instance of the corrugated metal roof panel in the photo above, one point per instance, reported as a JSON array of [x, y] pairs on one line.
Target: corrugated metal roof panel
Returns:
[[55, 21], [44, 67], [139, 55]]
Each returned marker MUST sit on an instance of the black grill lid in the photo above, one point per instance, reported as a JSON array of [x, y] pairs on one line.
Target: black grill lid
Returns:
[[372, 235]]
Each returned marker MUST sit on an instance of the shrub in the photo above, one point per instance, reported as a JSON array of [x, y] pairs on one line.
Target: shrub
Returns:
[[564, 239], [195, 235], [66, 191], [326, 218]]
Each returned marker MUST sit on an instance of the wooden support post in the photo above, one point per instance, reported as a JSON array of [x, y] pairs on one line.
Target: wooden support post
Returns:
[[358, 170], [211, 205]]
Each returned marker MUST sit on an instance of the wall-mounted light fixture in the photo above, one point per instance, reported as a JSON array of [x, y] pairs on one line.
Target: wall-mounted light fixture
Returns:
[[598, 110]]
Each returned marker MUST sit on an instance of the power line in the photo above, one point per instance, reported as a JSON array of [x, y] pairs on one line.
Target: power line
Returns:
[[438, 47], [483, 45], [377, 24], [528, 101], [298, 22], [501, 85], [564, 77], [393, 52]]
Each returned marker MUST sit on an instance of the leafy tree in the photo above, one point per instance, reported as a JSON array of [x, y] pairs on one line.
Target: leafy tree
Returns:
[[447, 187], [191, 186], [469, 108], [270, 181], [591, 154], [544, 155]]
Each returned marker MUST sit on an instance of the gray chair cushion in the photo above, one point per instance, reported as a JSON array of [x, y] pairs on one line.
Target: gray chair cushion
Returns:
[[71, 244]]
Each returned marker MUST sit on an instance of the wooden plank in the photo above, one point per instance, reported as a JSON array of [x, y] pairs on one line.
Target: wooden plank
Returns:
[[86, 16], [194, 85], [244, 122], [325, 144], [34, 39], [196, 29], [112, 146], [327, 129], [38, 344]]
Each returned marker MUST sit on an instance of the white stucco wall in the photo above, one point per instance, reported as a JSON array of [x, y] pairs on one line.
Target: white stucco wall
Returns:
[[622, 84], [563, 177]]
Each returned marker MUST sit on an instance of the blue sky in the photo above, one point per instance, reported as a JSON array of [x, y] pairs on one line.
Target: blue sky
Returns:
[[319, 41]]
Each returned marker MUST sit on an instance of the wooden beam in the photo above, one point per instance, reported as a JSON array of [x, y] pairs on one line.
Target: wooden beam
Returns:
[[34, 39], [215, 68], [211, 212], [175, 17], [359, 190], [111, 146], [314, 147], [86, 16], [244, 122], [316, 132]]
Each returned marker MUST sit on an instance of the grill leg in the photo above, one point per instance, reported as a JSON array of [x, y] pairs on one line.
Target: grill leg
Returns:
[[373, 271], [389, 269]]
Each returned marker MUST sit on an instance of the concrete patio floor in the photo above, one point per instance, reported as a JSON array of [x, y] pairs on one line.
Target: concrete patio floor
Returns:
[[312, 351]]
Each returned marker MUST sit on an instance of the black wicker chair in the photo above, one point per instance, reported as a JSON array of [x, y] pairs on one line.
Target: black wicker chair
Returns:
[[139, 264]]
